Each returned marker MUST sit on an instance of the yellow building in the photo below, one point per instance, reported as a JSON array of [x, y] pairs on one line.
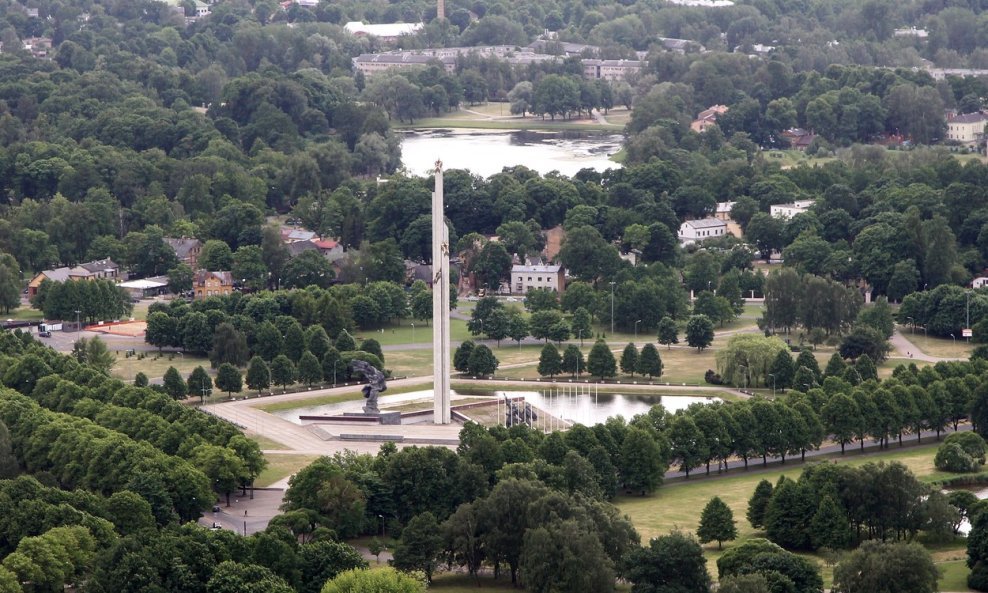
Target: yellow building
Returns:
[[207, 284]]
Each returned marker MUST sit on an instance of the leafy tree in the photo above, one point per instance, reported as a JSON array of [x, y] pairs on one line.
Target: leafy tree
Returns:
[[258, 374], [668, 332], [541, 299], [673, 562], [885, 566], [229, 346], [760, 556], [345, 342], [699, 332], [492, 265], [649, 362], [579, 295], [294, 342], [550, 363], [580, 325], [687, 443], [309, 369], [268, 341], [215, 255], [782, 370], [461, 357], [228, 379], [829, 527], [716, 523], [601, 361], [309, 268], [420, 545], [384, 580], [162, 330], [282, 371], [323, 560], [8, 462], [835, 366], [482, 361], [642, 462], [864, 340], [174, 384], [552, 551], [541, 323], [140, 379], [758, 503], [374, 347], [629, 359], [199, 382], [93, 353], [572, 362]]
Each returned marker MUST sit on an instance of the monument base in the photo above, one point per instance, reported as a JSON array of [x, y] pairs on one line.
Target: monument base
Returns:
[[387, 418]]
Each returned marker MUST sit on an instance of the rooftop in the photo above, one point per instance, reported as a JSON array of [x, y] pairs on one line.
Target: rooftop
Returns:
[[705, 223], [536, 269], [969, 118]]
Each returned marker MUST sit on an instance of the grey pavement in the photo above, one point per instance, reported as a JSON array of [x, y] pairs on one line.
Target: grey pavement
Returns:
[[246, 514]]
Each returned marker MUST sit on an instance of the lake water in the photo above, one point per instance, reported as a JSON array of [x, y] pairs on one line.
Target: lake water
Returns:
[[485, 153], [574, 403]]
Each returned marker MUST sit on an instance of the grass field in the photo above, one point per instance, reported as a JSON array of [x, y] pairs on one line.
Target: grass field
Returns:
[[939, 347], [404, 333], [677, 505], [282, 466], [24, 314], [266, 443], [953, 575], [154, 366]]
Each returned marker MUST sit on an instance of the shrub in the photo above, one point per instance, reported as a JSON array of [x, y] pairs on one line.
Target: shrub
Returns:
[[951, 457], [713, 378]]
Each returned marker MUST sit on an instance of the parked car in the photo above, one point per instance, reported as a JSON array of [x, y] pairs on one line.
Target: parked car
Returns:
[[44, 334]]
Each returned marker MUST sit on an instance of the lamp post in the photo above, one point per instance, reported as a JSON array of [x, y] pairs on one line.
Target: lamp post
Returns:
[[773, 383], [612, 307], [912, 324], [741, 366], [636, 329], [413, 333], [954, 338], [579, 334], [967, 311], [77, 326]]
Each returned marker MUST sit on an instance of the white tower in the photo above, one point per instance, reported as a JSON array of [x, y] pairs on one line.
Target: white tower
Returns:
[[440, 302]]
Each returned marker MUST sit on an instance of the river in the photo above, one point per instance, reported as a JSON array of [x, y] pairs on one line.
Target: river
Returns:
[[486, 152]]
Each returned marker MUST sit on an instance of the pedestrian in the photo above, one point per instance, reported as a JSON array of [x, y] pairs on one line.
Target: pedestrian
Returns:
[[245, 512]]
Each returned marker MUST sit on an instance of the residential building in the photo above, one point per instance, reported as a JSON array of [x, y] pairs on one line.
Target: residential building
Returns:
[[799, 139], [707, 118], [694, 231], [967, 129], [787, 211], [102, 269], [292, 234], [979, 282], [525, 278], [207, 284], [723, 211], [911, 32], [594, 69], [186, 250]]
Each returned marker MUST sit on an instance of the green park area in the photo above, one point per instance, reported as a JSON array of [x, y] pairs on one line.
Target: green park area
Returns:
[[497, 116]]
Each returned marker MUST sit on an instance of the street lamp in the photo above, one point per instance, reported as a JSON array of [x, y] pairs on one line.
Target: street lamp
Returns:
[[612, 307], [413, 333], [954, 338], [773, 383], [636, 329], [77, 326], [579, 334], [912, 324]]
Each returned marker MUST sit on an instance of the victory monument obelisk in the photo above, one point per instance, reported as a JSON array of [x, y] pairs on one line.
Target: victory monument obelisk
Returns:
[[440, 302]]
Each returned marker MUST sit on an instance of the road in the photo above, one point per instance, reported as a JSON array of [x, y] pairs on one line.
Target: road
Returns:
[[902, 344]]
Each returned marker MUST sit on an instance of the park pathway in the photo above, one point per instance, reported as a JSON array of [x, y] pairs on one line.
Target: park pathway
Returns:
[[909, 350]]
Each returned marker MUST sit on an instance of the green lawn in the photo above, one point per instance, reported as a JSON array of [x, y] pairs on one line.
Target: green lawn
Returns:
[[677, 505], [266, 443], [24, 314], [939, 347], [403, 332], [155, 365], [282, 466], [461, 121], [953, 576]]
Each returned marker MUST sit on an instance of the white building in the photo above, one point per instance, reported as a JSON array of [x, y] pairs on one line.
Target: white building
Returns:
[[980, 282], [723, 211], [694, 231], [967, 129], [524, 278], [787, 211]]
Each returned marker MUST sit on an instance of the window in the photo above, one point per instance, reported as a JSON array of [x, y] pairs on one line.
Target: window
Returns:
[[529, 278], [539, 279]]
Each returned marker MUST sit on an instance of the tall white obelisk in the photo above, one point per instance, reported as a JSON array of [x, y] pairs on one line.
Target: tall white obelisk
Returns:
[[440, 302]]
